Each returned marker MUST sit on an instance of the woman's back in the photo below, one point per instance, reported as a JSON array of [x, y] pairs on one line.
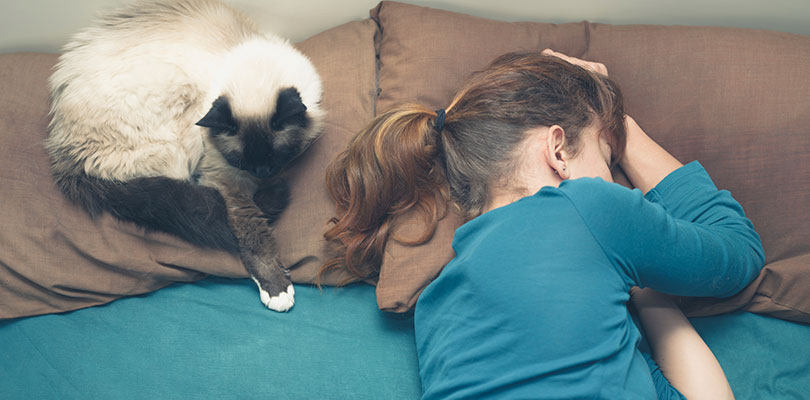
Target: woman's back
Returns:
[[535, 299]]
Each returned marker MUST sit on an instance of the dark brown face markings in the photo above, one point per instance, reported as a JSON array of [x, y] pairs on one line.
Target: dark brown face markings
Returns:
[[219, 118], [258, 152], [290, 110], [253, 145]]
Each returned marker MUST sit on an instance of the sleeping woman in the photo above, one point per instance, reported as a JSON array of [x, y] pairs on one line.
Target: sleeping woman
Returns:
[[535, 302]]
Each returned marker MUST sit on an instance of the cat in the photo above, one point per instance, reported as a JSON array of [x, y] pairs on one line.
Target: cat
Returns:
[[174, 114]]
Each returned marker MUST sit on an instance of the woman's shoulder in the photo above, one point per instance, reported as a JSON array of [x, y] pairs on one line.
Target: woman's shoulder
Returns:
[[593, 190], [547, 205], [532, 213], [599, 201]]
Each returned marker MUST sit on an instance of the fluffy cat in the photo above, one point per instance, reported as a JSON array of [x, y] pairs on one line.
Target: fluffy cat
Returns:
[[173, 115]]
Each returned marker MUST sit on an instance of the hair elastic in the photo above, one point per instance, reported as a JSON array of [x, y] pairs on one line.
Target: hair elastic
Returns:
[[439, 124]]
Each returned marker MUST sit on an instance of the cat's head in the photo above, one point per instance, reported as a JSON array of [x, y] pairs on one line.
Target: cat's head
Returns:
[[267, 109]]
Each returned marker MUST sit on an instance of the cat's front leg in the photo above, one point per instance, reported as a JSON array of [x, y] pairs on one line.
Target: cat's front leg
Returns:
[[259, 252]]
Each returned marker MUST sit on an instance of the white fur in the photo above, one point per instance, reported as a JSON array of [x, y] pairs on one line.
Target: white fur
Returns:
[[242, 80], [140, 87], [281, 303]]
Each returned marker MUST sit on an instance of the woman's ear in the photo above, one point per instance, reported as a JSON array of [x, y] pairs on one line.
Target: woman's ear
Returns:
[[557, 155]]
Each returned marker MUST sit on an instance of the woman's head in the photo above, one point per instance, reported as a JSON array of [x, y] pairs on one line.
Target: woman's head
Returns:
[[498, 107], [400, 162]]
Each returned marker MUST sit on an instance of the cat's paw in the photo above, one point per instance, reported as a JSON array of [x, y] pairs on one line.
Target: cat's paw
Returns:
[[281, 302]]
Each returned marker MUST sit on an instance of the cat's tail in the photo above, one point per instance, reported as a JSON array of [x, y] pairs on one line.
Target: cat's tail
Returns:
[[195, 213]]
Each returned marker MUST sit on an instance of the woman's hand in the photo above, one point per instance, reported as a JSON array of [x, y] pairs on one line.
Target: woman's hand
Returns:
[[589, 65]]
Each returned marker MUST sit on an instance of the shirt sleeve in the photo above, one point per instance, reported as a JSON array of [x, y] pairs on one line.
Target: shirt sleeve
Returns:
[[684, 237], [663, 388]]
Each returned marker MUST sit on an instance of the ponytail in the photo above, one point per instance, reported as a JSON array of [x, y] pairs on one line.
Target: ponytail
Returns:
[[407, 160], [389, 169]]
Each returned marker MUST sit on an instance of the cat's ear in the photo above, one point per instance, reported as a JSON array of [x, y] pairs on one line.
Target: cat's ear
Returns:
[[219, 116], [290, 109]]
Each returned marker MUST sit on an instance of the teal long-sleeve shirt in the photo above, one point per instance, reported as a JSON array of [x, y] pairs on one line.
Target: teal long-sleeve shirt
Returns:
[[533, 306]]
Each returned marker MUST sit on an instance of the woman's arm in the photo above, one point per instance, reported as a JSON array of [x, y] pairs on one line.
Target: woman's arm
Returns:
[[645, 162], [683, 356], [659, 250], [694, 241]]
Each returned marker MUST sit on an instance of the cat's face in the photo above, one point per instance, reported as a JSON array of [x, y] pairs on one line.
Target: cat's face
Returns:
[[262, 145]]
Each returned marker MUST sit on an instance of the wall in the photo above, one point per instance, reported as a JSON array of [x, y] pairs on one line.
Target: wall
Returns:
[[45, 25]]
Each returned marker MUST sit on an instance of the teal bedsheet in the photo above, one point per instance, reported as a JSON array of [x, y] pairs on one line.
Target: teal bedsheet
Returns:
[[213, 340], [764, 358]]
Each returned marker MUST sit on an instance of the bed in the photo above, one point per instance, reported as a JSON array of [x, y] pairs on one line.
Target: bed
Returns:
[[100, 309], [199, 340]]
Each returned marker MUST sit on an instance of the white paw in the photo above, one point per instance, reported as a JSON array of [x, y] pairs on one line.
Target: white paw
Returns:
[[281, 302]]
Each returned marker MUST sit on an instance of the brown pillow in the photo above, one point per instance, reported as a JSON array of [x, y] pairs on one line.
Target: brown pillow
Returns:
[[346, 59], [55, 258], [735, 99]]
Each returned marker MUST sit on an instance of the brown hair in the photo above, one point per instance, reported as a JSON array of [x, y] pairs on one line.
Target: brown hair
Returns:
[[400, 163]]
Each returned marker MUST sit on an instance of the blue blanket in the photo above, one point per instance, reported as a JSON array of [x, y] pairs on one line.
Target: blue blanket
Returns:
[[212, 339]]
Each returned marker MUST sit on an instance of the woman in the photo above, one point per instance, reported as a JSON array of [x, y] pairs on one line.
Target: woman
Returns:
[[534, 303]]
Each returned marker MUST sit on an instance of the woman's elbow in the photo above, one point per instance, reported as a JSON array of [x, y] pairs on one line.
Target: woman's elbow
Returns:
[[757, 254]]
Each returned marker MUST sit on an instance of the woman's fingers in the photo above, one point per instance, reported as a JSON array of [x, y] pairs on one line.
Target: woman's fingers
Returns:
[[589, 65]]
